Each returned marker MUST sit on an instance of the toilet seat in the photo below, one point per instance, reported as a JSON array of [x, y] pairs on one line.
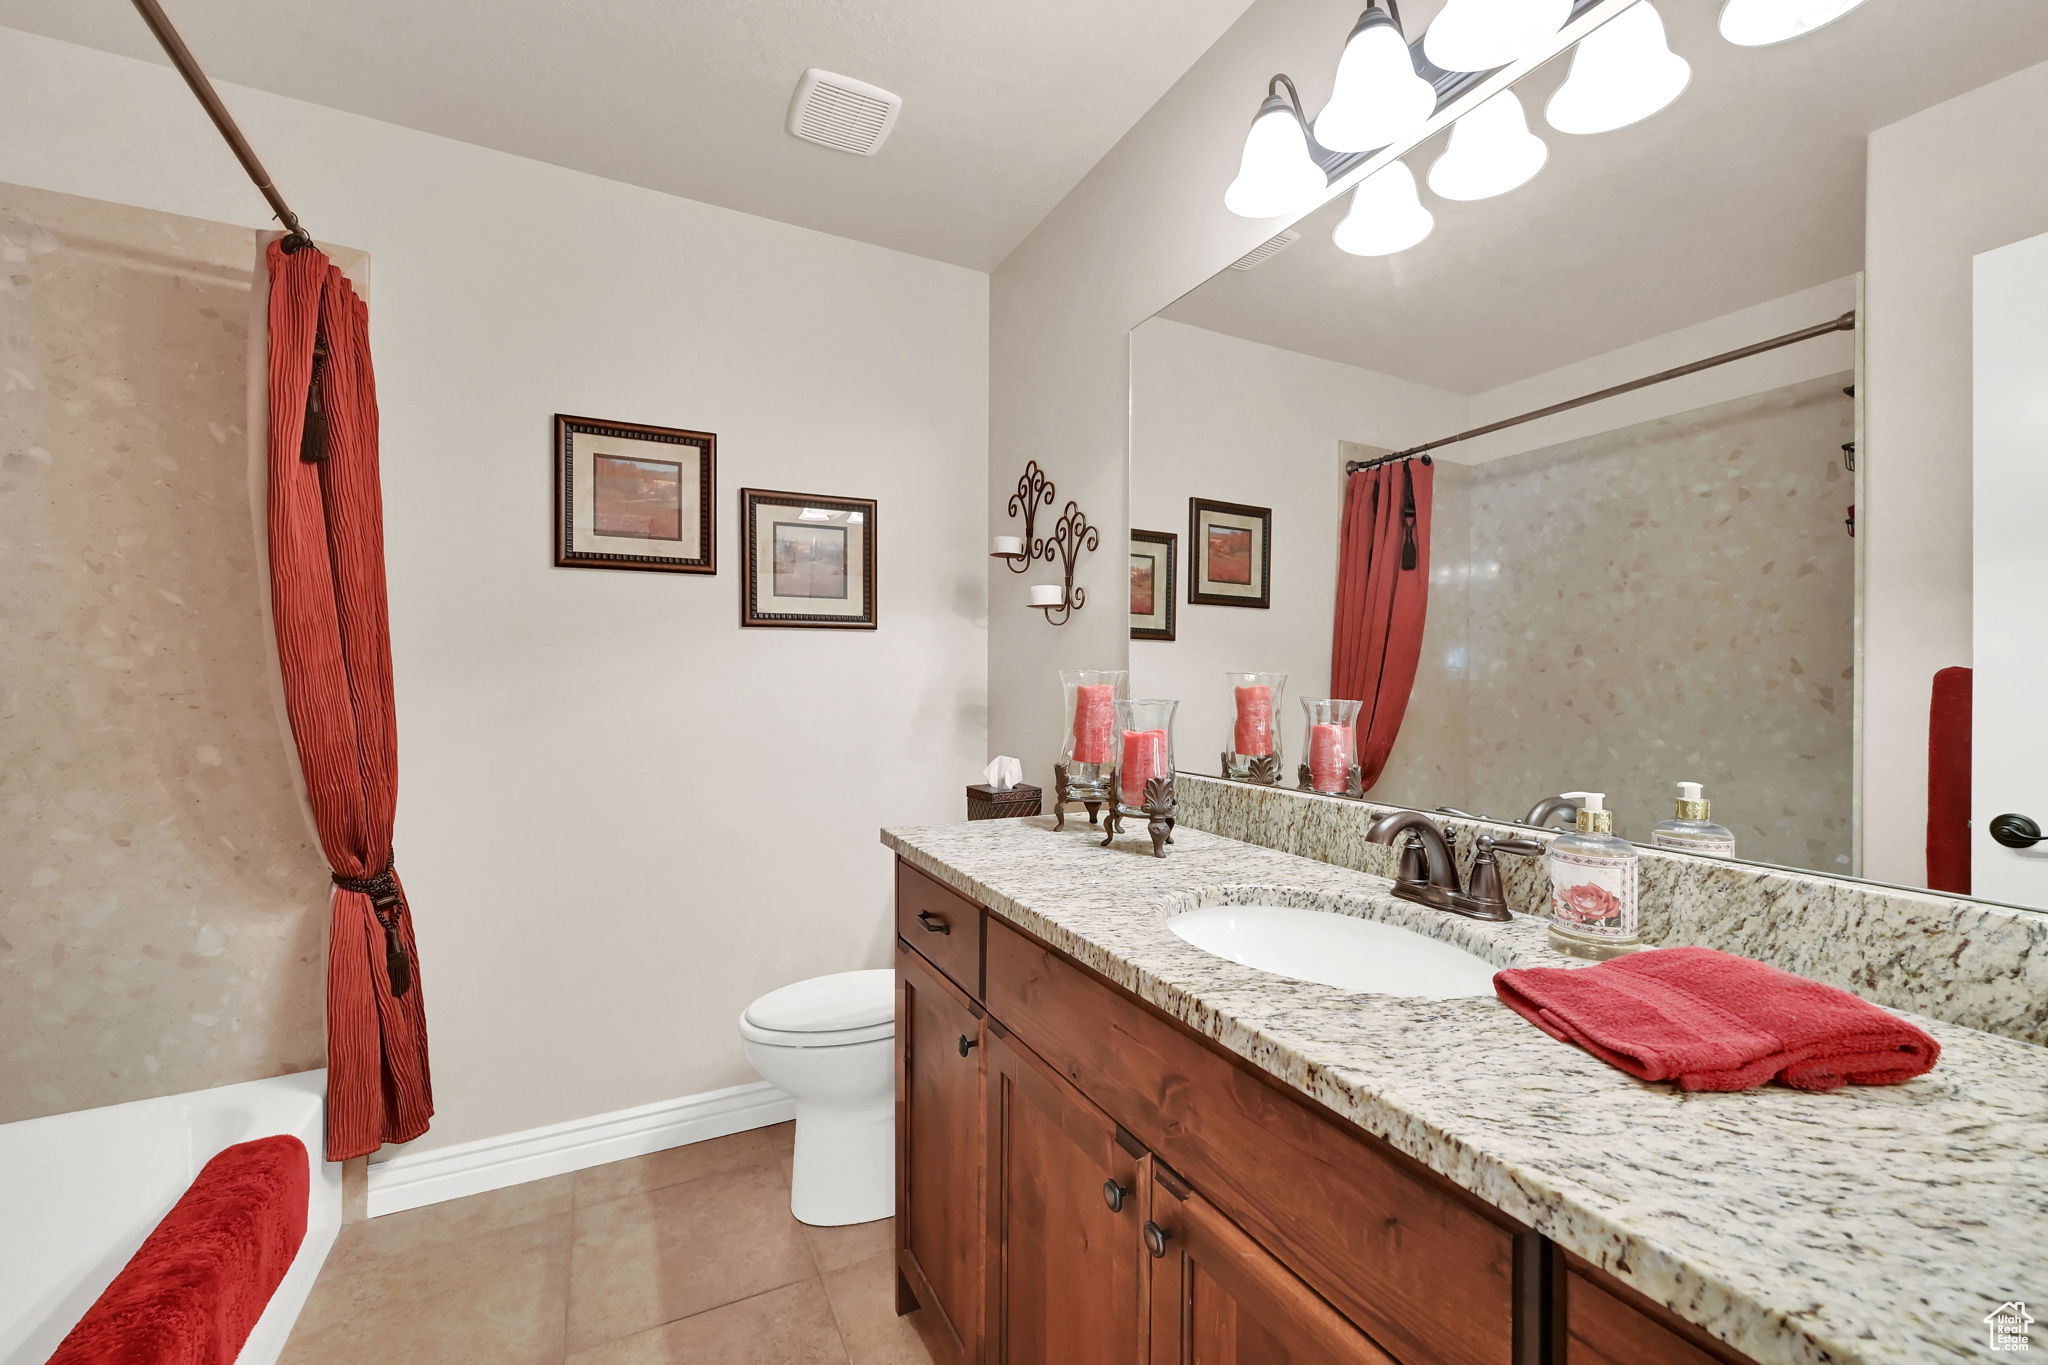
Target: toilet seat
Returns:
[[839, 1010]]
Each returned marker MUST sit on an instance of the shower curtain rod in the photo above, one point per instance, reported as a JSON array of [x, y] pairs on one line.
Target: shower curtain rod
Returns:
[[1844, 323], [188, 66]]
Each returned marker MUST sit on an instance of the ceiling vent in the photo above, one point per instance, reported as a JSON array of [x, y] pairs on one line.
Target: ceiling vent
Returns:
[[842, 113], [1266, 251]]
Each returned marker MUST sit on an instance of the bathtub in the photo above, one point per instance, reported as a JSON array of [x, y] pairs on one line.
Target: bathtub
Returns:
[[79, 1192]]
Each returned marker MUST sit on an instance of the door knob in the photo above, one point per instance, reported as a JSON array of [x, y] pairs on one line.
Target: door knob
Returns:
[[1155, 1239], [968, 1045], [2015, 831], [1113, 1195]]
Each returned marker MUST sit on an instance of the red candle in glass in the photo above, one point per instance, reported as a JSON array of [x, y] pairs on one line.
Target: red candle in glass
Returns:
[[1329, 757], [1254, 736], [1144, 759], [1094, 722]]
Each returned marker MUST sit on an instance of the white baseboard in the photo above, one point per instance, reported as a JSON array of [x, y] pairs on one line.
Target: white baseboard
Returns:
[[408, 1181]]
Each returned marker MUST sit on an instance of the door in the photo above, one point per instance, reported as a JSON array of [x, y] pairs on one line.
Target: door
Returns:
[[938, 1148], [1219, 1298], [1064, 1196], [2009, 722]]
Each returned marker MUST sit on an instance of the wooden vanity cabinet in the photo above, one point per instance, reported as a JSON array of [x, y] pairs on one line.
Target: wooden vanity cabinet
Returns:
[[1607, 1323], [940, 1035]]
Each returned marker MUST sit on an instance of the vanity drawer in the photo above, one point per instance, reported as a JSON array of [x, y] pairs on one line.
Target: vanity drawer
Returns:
[[943, 925], [1607, 1323], [1422, 1266]]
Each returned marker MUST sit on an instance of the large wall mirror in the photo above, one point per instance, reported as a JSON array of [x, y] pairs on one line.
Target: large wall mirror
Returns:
[[1755, 574]]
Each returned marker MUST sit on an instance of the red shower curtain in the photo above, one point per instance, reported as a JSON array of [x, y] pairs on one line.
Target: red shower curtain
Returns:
[[1382, 599], [334, 648]]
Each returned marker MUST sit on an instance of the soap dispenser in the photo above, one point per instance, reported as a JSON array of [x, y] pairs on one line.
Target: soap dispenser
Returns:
[[1691, 831], [1592, 885]]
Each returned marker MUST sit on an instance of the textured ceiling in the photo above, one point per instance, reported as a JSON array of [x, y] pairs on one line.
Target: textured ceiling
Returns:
[[1005, 107], [1749, 188]]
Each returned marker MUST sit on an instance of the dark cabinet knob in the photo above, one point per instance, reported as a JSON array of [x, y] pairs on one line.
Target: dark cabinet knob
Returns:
[[2015, 831], [933, 924], [968, 1045], [1155, 1239], [1113, 1195]]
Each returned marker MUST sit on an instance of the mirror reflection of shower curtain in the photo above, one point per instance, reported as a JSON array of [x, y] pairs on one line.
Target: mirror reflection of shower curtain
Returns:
[[1382, 601]]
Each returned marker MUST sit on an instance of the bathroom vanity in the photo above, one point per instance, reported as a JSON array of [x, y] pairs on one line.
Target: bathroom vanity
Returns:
[[1113, 1146]]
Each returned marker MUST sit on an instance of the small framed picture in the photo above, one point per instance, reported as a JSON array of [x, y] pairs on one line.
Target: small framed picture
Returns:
[[632, 496], [1232, 550], [809, 560], [1154, 580]]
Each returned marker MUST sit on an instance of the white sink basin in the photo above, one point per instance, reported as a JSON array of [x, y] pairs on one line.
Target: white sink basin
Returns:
[[1335, 949]]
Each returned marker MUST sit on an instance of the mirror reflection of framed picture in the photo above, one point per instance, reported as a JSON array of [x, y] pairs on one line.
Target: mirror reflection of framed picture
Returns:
[[809, 560], [1230, 553], [1154, 556], [632, 496]]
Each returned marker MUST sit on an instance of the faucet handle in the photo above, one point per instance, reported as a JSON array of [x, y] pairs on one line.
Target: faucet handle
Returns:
[[1485, 893], [1528, 848]]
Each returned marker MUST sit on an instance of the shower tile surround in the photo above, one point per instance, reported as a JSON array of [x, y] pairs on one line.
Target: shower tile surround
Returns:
[[1871, 1225], [1968, 962]]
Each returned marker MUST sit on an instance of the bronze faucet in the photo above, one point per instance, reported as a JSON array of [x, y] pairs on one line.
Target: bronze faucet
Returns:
[[1549, 808], [1428, 875]]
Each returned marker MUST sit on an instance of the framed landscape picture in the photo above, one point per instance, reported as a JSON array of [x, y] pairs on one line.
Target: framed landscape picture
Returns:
[[1154, 556], [632, 496], [1230, 552], [809, 560]]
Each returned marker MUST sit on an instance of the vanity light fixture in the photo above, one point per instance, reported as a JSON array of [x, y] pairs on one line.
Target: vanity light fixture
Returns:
[[1492, 151], [1759, 23], [1278, 175], [1386, 214], [1480, 35], [1621, 73], [1378, 96]]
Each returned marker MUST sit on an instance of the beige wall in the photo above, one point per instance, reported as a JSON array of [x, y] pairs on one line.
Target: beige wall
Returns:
[[620, 817], [162, 903], [1945, 184]]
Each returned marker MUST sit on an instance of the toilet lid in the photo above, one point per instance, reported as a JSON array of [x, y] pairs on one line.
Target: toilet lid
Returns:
[[828, 1004]]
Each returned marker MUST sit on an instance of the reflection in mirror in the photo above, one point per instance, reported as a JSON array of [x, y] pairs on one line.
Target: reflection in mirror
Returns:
[[1670, 583]]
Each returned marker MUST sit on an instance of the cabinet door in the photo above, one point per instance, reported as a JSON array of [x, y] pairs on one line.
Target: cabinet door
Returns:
[[1066, 1259], [1219, 1298], [938, 1149]]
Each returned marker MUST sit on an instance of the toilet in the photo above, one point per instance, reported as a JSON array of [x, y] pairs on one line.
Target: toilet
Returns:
[[827, 1043]]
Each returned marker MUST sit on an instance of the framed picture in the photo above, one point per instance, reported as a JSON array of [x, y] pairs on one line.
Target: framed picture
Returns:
[[1232, 551], [632, 496], [809, 561], [1154, 560]]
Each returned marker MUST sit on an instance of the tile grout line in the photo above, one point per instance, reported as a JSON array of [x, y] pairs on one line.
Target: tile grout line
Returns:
[[818, 1272]]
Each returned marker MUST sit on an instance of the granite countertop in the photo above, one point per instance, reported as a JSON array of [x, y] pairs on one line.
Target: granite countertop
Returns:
[[1868, 1224]]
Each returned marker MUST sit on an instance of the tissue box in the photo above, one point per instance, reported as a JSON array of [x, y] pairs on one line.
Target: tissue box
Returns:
[[986, 803]]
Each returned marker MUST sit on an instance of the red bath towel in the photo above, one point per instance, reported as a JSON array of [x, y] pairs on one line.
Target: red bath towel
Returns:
[[1714, 1021], [196, 1286]]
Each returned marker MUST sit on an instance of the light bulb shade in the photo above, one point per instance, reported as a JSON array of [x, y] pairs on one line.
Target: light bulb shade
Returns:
[[1492, 151], [1378, 98], [1277, 176], [1386, 214], [1622, 73], [1479, 35], [1759, 23]]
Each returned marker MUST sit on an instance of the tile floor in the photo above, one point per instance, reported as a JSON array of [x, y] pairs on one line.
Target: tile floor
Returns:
[[687, 1255]]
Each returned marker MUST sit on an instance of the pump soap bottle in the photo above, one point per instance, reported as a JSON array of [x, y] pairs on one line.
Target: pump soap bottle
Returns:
[[1592, 885], [1692, 831]]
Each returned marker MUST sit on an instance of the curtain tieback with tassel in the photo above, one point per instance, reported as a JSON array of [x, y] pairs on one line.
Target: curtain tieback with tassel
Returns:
[[386, 903]]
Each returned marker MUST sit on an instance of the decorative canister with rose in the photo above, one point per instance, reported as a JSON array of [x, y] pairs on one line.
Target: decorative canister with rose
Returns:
[[1592, 885]]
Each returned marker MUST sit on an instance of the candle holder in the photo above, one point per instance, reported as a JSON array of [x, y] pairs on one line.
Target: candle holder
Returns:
[[1144, 779], [1330, 747], [1086, 771], [1033, 490], [1071, 535], [1254, 754]]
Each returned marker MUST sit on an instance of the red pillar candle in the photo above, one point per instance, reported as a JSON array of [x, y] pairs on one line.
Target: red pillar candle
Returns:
[[1094, 722], [1254, 737], [1329, 757], [1144, 759]]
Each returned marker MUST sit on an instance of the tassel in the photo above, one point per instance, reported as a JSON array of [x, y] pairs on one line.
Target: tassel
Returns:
[[313, 440], [396, 965], [1408, 549]]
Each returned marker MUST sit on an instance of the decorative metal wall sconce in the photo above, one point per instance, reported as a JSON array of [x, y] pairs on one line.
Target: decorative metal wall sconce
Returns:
[[1071, 534]]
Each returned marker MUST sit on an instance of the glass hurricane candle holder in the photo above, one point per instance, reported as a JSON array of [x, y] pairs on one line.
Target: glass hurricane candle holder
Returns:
[[1088, 743], [1144, 778], [1329, 746], [1253, 753]]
